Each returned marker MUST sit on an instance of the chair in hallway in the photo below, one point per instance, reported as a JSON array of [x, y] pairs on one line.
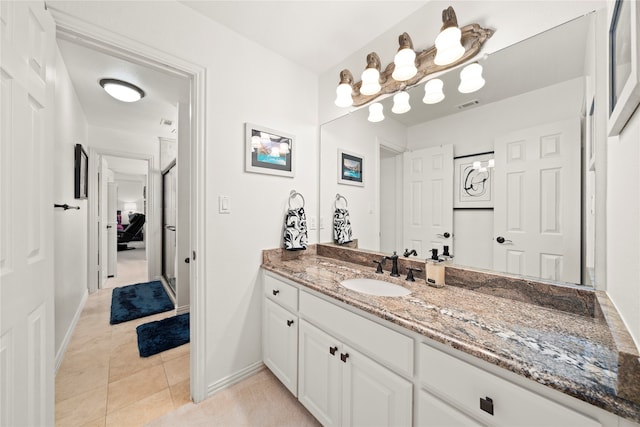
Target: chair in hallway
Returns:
[[135, 226]]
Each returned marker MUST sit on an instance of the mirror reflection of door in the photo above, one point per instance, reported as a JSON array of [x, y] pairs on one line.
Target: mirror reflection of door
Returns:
[[169, 205]]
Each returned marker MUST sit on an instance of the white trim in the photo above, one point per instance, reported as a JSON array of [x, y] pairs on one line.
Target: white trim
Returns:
[[182, 310], [67, 337], [235, 378], [119, 45]]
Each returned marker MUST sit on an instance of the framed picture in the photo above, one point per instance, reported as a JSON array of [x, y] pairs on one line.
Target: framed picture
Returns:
[[350, 168], [81, 166], [473, 181], [624, 64], [269, 151]]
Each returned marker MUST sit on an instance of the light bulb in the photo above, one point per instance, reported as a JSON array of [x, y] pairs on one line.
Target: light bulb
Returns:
[[370, 82], [433, 91], [449, 48], [405, 65], [375, 112], [343, 95], [471, 78], [401, 103]]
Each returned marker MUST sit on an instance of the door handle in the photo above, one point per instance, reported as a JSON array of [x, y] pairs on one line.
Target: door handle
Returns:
[[502, 240], [109, 226], [170, 227], [187, 260], [444, 235]]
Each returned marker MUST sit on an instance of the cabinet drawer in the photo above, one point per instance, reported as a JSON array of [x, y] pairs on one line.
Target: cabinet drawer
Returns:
[[283, 293], [463, 385], [383, 344]]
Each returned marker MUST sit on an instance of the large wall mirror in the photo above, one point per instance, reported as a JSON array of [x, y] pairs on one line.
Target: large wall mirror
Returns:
[[531, 214]]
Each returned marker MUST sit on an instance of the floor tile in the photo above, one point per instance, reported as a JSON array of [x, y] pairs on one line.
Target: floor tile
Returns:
[[142, 411], [70, 383], [176, 352], [76, 410], [180, 393], [136, 387], [126, 361], [177, 370]]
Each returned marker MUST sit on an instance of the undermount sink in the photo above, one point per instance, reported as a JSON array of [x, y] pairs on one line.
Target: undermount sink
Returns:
[[375, 287]]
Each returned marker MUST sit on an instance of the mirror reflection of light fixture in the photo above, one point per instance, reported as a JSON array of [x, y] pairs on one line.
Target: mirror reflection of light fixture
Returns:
[[405, 60], [471, 78], [483, 166], [433, 91], [449, 48], [401, 103], [371, 75], [375, 112], [343, 92], [121, 90]]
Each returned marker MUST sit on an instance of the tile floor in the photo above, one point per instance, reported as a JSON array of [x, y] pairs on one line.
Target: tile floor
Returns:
[[104, 382]]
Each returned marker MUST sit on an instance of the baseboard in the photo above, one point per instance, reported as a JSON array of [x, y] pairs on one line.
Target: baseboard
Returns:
[[235, 378], [183, 309], [72, 327]]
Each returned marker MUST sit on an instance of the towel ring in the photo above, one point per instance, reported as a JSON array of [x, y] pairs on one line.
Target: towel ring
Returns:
[[293, 195], [340, 196]]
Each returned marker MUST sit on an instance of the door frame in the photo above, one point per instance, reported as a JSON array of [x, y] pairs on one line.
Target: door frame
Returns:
[[133, 50], [384, 144], [163, 242]]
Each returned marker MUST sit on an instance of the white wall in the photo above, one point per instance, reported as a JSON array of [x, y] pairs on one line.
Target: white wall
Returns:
[[474, 131], [240, 88], [355, 134], [70, 227]]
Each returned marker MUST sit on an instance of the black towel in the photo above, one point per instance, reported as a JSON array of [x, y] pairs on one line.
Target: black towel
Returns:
[[295, 230], [341, 226]]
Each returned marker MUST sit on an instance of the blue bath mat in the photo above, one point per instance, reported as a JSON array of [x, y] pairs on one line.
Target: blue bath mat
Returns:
[[162, 335], [140, 300]]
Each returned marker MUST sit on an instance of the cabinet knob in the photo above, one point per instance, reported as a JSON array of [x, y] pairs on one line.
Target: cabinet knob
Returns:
[[344, 357], [333, 350], [289, 322], [276, 292], [486, 405]]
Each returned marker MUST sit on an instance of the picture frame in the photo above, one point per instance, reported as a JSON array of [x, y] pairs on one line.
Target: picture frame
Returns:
[[473, 189], [268, 151], [624, 64], [81, 172], [350, 168]]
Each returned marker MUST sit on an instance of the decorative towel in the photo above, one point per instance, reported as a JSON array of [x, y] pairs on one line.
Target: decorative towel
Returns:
[[295, 230], [341, 226]]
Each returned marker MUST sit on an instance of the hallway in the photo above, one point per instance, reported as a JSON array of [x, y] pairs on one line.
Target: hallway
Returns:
[[102, 380]]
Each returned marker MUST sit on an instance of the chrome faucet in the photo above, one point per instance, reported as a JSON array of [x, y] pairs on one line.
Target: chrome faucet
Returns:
[[394, 266]]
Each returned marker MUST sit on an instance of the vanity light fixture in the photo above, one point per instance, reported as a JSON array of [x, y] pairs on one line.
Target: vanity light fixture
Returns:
[[433, 91], [456, 45], [401, 103], [121, 90], [471, 78], [375, 112], [482, 166]]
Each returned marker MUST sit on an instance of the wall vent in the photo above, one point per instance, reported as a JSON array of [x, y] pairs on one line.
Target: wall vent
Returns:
[[468, 104], [166, 122]]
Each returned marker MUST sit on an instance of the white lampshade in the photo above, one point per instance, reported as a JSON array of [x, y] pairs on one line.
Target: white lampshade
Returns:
[[343, 95], [375, 112], [405, 65], [476, 165], [449, 48], [433, 91], [370, 81], [401, 103], [471, 78], [492, 163]]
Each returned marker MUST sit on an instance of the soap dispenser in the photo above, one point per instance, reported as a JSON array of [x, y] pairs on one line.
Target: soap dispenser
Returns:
[[435, 270]]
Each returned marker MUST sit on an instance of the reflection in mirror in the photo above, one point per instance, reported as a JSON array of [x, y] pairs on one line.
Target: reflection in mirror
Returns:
[[529, 118]]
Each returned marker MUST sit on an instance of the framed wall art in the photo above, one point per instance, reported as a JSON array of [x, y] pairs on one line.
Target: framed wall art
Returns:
[[624, 64], [473, 181], [269, 151], [81, 169], [350, 168]]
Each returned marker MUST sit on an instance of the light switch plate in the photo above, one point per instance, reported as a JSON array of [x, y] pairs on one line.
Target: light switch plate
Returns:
[[224, 204]]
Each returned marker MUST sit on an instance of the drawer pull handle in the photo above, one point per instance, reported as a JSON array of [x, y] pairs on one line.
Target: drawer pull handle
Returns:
[[344, 357], [275, 292], [289, 322], [487, 405], [333, 350]]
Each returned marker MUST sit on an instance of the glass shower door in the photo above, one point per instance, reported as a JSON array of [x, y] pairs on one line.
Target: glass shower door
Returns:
[[169, 225]]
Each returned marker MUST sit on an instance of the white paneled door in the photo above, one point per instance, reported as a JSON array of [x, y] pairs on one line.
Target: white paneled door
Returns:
[[27, 67], [537, 202], [428, 199]]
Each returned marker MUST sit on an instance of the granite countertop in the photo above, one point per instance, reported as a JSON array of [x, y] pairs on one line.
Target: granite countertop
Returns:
[[572, 353]]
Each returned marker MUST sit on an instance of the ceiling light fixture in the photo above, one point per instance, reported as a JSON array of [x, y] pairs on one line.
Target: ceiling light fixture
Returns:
[[121, 90], [453, 46]]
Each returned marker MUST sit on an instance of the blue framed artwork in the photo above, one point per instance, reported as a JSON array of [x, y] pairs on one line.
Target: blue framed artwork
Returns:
[[269, 151], [350, 168]]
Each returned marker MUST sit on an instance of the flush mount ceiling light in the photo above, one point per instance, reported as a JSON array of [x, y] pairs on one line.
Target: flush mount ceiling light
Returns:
[[454, 46], [121, 90]]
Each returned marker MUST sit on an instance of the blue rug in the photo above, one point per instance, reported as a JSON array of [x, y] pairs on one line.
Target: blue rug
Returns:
[[140, 300], [162, 335]]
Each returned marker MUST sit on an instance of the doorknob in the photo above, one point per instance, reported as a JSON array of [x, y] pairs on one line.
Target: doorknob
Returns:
[[108, 226], [187, 260], [445, 235], [502, 240]]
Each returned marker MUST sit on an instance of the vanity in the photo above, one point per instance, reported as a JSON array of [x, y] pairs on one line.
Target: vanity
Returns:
[[493, 352]]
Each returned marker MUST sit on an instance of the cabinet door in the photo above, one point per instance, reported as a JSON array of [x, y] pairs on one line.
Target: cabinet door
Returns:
[[373, 395], [280, 344], [320, 374], [433, 412]]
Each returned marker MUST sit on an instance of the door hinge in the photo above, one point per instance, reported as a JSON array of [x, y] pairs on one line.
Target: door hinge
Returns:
[[193, 257]]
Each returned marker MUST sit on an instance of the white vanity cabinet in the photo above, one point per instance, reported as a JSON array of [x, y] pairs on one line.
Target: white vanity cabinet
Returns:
[[342, 387], [280, 331]]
